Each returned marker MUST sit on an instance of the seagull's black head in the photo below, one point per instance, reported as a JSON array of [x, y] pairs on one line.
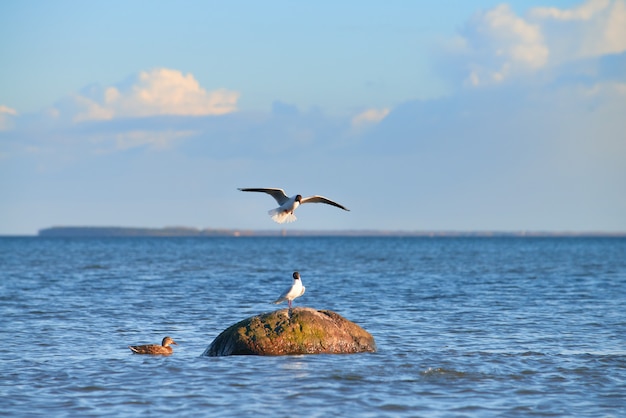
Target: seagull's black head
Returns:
[[299, 198], [296, 275]]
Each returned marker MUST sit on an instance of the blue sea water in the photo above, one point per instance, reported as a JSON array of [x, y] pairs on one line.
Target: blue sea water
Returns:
[[464, 326]]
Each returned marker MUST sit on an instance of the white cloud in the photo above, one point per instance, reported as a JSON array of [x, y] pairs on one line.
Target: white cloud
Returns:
[[501, 44], [583, 12], [369, 117], [615, 32], [7, 110], [596, 28], [6, 114], [157, 92], [498, 45], [522, 41], [89, 110]]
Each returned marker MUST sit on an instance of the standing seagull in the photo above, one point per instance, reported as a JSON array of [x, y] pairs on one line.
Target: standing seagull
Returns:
[[164, 348], [284, 213], [295, 291]]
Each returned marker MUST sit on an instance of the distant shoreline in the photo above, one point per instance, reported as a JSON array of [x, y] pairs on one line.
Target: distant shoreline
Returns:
[[99, 231]]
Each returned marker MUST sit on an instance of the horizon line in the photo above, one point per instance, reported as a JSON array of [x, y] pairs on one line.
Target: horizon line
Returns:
[[184, 231]]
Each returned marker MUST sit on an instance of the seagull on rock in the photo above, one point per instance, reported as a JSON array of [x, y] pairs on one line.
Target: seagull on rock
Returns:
[[295, 291], [284, 213]]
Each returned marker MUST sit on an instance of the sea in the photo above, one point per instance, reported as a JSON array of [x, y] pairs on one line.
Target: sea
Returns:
[[464, 326]]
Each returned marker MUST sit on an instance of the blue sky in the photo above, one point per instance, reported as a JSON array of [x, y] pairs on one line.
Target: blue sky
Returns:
[[456, 115]]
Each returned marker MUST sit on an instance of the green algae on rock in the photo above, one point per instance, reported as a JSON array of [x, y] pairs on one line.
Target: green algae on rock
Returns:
[[296, 331]]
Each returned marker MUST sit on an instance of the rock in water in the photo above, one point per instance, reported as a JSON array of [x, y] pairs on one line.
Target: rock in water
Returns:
[[295, 331]]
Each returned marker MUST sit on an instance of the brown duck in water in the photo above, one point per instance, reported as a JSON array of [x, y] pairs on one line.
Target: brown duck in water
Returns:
[[164, 348]]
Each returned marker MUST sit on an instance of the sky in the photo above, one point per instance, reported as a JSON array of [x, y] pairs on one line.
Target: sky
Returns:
[[417, 116]]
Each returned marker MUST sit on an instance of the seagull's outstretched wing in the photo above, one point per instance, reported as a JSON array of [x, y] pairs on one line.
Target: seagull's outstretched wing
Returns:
[[322, 199], [278, 194]]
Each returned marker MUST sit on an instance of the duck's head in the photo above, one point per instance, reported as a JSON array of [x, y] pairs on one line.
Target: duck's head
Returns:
[[167, 341]]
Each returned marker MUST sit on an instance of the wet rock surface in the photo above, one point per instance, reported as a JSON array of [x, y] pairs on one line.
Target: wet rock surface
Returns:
[[292, 331]]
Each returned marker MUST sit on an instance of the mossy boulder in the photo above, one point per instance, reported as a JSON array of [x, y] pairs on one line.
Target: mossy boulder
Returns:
[[292, 331]]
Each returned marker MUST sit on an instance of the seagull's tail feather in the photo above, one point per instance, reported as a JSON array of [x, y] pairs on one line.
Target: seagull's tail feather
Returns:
[[279, 300], [281, 217]]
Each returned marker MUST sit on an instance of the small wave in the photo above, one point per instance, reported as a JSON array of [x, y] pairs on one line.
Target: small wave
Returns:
[[440, 371], [95, 267]]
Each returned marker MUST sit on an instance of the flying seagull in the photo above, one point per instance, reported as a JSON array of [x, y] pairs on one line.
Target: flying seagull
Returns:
[[164, 348], [295, 291], [284, 213]]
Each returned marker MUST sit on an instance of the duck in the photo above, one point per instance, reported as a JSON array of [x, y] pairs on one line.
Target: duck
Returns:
[[155, 349]]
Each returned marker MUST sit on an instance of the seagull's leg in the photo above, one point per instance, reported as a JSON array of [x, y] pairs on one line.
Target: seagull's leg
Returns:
[[289, 303]]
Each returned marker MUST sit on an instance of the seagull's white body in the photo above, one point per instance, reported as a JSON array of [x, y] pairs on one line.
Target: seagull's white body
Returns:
[[295, 291], [284, 213]]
